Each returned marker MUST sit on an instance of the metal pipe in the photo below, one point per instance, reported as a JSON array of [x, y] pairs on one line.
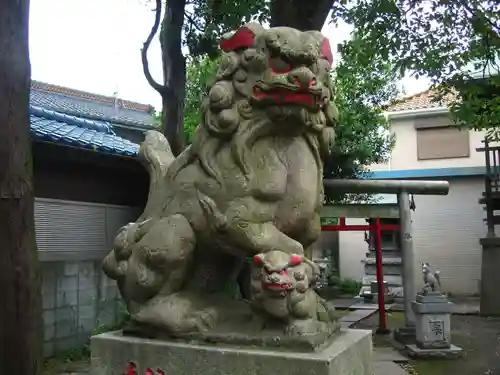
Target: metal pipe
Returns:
[[407, 256], [382, 315], [389, 186]]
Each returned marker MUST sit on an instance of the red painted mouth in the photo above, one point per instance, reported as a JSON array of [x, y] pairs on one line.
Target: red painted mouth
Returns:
[[278, 286], [283, 96]]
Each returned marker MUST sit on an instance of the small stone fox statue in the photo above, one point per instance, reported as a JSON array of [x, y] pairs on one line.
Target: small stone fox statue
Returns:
[[432, 283]]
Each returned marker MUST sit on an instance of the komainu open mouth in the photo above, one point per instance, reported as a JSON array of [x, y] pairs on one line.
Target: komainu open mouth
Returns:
[[278, 286], [284, 96]]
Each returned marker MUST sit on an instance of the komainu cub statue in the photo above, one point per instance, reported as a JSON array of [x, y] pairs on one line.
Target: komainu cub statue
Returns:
[[250, 184]]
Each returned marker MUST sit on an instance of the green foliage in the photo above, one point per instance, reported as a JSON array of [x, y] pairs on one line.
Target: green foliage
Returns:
[[208, 20], [348, 287], [157, 121], [200, 72], [443, 40], [364, 82]]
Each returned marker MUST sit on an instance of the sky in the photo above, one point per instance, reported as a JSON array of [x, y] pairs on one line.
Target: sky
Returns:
[[94, 46]]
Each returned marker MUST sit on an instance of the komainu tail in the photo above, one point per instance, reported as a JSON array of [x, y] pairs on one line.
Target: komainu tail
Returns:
[[155, 154], [438, 277]]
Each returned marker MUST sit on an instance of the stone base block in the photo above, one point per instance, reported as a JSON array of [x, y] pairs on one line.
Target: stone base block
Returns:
[[350, 353], [394, 284], [432, 297], [405, 335], [453, 351]]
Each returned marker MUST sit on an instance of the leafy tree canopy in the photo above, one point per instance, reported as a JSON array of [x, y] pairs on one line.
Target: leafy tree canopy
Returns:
[[200, 73], [444, 40], [441, 39], [207, 20], [364, 82]]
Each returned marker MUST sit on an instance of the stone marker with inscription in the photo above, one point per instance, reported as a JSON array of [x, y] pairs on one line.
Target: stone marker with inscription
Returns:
[[250, 185], [432, 313]]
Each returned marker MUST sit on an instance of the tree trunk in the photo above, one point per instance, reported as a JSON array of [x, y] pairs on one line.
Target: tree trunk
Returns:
[[20, 300], [174, 74], [300, 14]]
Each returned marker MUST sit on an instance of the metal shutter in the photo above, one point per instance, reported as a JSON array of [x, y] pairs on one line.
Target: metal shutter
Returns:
[[67, 230], [70, 226]]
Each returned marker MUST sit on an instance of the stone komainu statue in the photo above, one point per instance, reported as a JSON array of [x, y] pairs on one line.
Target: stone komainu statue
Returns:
[[251, 183], [432, 281]]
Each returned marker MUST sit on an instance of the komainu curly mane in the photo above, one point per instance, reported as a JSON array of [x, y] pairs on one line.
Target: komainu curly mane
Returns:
[[230, 120]]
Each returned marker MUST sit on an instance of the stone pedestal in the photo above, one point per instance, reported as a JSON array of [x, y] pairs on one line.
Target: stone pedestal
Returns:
[[372, 295], [350, 353], [490, 276], [405, 335], [432, 326], [391, 261]]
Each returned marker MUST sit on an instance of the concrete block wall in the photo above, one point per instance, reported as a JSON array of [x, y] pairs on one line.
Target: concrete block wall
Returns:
[[77, 298]]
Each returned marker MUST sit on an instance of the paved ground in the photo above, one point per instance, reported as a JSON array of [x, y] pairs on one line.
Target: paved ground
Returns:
[[479, 336], [461, 305], [388, 361]]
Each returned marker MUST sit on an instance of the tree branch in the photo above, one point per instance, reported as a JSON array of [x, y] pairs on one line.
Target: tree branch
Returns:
[[300, 14], [144, 51], [482, 14], [192, 22]]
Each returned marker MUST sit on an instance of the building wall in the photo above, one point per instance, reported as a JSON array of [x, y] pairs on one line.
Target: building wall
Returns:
[[353, 249], [77, 298], [86, 176], [73, 238], [404, 155], [133, 135], [446, 233], [82, 199], [446, 229]]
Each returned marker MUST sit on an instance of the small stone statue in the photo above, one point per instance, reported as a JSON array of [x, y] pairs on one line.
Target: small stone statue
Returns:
[[282, 289], [323, 274], [432, 282]]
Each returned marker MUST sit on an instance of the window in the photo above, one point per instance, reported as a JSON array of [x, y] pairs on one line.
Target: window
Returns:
[[438, 138]]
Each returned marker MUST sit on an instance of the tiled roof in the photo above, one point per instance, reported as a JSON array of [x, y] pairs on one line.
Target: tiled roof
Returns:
[[51, 126], [92, 106], [417, 101]]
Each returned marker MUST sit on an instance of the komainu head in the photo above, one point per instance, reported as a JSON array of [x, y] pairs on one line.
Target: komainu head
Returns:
[[273, 80]]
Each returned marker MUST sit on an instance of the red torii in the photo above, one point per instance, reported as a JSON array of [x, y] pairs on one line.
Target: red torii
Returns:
[[378, 228]]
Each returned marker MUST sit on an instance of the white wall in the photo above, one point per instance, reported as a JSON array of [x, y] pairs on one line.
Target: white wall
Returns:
[[446, 232], [447, 229], [352, 250], [404, 154]]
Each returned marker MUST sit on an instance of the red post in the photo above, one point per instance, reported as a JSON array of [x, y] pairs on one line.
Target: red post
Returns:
[[382, 325]]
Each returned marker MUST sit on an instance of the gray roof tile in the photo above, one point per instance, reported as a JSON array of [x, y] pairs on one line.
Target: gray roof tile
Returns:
[[93, 106], [51, 126]]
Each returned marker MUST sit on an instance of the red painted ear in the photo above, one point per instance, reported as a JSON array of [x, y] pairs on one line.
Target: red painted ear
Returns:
[[295, 260], [258, 259], [242, 38], [326, 51]]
